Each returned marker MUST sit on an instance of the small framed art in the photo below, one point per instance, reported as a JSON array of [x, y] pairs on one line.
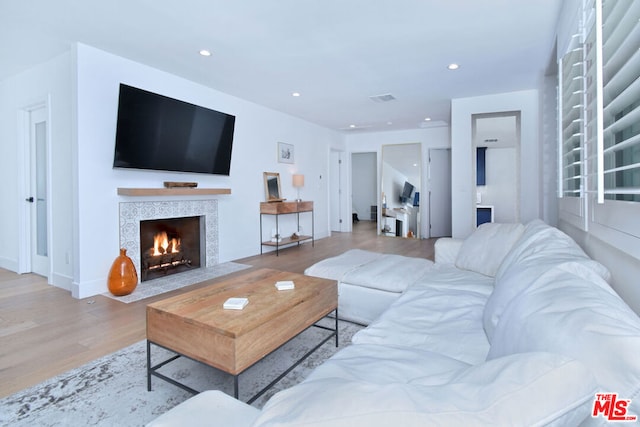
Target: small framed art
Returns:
[[285, 153]]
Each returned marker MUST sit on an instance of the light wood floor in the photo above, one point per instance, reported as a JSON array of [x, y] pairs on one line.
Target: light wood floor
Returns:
[[44, 331]]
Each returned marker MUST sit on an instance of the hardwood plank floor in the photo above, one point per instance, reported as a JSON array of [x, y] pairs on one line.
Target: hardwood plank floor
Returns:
[[44, 331]]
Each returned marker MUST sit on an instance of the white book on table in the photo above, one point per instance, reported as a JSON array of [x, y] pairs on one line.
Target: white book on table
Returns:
[[235, 303], [284, 285]]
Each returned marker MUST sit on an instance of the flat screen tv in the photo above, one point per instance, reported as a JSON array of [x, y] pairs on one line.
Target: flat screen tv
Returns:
[[161, 133], [407, 189]]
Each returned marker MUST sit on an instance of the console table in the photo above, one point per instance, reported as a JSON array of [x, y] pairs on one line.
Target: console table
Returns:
[[276, 209]]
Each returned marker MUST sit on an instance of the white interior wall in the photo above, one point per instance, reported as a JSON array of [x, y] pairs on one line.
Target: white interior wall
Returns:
[[392, 184], [52, 81], [500, 190], [257, 132], [84, 201], [463, 195]]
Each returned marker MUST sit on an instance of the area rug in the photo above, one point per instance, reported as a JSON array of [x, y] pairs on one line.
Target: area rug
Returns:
[[151, 288], [112, 390]]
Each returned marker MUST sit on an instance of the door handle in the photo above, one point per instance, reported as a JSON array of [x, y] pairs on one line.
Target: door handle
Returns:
[[29, 199]]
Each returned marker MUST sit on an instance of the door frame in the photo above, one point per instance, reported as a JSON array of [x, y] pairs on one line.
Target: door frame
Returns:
[[24, 185]]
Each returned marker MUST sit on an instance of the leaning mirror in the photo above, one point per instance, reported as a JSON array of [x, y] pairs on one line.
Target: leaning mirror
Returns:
[[400, 190], [272, 186]]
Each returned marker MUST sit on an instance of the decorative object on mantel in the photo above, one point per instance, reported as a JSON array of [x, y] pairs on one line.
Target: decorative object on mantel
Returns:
[[285, 153], [174, 184], [272, 187], [298, 181], [123, 277]]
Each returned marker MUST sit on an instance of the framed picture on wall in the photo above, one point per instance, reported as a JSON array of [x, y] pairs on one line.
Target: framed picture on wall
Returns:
[[285, 153]]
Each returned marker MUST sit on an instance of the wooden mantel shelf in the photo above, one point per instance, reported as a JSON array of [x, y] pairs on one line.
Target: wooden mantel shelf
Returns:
[[177, 191]]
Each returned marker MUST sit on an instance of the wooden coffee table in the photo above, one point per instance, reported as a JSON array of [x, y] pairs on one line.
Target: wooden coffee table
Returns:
[[195, 325]]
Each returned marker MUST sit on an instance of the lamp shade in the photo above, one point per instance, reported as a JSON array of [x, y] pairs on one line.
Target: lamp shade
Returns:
[[298, 180]]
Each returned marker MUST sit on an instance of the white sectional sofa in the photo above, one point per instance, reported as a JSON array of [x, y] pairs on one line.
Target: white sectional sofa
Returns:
[[368, 282], [514, 326]]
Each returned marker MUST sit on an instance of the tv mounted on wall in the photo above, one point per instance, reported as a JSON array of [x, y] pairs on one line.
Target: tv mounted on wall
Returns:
[[407, 189], [161, 133]]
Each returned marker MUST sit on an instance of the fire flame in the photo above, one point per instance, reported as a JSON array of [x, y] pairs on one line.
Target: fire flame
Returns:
[[162, 244]]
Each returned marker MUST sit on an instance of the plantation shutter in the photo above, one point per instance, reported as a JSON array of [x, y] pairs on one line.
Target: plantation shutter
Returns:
[[571, 105], [614, 157]]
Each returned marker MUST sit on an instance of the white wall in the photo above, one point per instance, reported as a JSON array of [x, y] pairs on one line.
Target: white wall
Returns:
[[463, 197], [437, 137], [49, 82], [257, 132], [500, 190], [83, 89]]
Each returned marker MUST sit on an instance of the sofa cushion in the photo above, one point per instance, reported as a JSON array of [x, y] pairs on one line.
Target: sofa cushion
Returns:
[[539, 249], [211, 408], [523, 389], [392, 273], [570, 310], [336, 267], [383, 364], [441, 312], [484, 250], [447, 249]]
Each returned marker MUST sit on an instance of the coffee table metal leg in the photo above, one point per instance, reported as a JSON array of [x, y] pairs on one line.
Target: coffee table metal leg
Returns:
[[235, 386], [336, 326], [148, 366]]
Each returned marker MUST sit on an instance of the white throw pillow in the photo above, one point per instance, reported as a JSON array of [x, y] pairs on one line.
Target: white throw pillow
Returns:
[[523, 389], [485, 249]]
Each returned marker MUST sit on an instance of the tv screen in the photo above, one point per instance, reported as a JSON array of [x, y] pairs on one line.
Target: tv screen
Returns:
[[406, 192], [161, 133]]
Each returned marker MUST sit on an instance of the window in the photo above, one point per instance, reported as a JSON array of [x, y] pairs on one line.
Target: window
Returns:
[[621, 99], [600, 147]]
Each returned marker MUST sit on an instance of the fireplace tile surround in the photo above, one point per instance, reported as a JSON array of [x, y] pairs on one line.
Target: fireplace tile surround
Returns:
[[131, 213]]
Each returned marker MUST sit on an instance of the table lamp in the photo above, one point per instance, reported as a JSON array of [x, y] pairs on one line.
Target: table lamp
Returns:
[[298, 181]]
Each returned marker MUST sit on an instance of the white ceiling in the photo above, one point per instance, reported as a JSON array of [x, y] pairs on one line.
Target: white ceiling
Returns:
[[335, 53]]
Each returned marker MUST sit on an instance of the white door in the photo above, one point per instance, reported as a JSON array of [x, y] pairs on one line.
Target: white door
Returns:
[[37, 197], [440, 192]]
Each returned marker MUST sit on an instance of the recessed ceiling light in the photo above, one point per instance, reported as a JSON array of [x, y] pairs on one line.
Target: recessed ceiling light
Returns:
[[352, 126], [427, 119], [295, 94], [205, 52], [389, 123], [453, 66]]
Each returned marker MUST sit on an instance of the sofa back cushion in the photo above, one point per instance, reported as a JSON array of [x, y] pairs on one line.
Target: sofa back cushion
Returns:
[[571, 310], [484, 250], [539, 249], [524, 389]]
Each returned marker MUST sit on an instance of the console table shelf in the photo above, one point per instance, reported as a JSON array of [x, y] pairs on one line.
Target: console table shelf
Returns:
[[285, 208], [177, 191]]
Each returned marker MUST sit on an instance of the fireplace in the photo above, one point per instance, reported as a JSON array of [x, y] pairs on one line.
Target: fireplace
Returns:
[[133, 214], [169, 246]]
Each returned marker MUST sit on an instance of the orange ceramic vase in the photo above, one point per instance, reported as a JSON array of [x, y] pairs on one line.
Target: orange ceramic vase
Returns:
[[123, 278]]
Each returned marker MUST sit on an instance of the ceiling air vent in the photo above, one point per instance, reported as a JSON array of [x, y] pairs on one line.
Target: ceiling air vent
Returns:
[[382, 98]]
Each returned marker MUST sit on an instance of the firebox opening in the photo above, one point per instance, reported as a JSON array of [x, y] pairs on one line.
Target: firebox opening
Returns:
[[169, 246]]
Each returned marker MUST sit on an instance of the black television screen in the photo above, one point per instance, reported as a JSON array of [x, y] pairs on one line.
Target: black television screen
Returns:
[[161, 133], [406, 192]]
